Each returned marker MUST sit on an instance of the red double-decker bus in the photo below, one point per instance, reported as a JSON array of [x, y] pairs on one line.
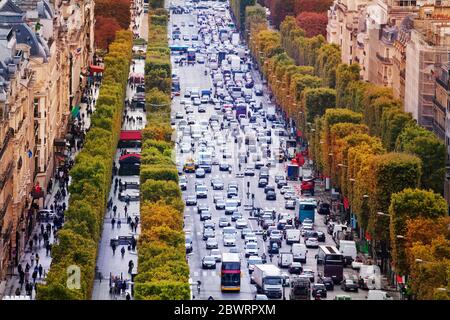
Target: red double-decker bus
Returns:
[[230, 274]]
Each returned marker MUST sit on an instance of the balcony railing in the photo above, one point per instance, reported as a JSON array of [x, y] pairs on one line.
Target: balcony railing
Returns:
[[384, 59], [5, 176], [8, 137]]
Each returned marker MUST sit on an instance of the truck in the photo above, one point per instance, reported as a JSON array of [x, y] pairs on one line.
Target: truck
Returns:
[[191, 55], [348, 250], [307, 187], [292, 236], [292, 171], [204, 161], [268, 280], [299, 252], [241, 108], [306, 209], [235, 39], [270, 114], [235, 63], [301, 289]]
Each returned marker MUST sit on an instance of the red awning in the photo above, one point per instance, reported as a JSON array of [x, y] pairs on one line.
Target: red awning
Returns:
[[399, 279], [95, 68], [299, 133], [127, 135], [130, 155]]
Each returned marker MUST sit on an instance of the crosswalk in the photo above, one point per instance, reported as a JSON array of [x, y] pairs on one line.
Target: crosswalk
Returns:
[[210, 273]]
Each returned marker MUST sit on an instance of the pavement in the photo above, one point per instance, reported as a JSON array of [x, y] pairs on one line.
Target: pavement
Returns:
[[109, 264]]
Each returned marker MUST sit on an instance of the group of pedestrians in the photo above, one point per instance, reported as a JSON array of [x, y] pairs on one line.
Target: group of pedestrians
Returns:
[[118, 286]]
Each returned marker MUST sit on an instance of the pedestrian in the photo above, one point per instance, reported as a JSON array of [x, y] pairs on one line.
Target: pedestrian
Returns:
[[27, 276], [42, 227], [136, 220], [40, 270], [119, 223], [126, 211], [45, 236], [113, 246], [114, 210], [17, 292], [49, 228], [28, 288], [27, 267], [128, 220], [122, 251], [130, 266], [133, 244], [31, 245], [132, 225], [48, 249], [32, 259], [37, 259], [34, 275], [113, 222], [128, 297]]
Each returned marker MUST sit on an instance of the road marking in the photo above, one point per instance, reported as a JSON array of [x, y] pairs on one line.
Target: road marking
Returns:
[[205, 273], [195, 273], [199, 233]]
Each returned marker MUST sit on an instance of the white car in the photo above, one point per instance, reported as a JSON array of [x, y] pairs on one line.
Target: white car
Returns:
[[251, 249], [216, 254], [251, 237], [212, 243], [229, 240], [285, 189], [241, 223], [224, 222], [312, 243]]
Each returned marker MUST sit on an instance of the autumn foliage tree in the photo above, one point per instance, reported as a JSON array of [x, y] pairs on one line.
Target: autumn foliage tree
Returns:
[[313, 23], [105, 31], [117, 9]]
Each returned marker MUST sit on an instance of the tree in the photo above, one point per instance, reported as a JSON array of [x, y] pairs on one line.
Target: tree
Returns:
[[316, 100], [313, 23], [312, 6], [345, 74], [105, 31], [423, 143], [388, 174], [117, 9], [410, 204]]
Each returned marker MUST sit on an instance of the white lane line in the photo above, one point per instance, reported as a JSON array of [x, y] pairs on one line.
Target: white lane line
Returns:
[[196, 274], [205, 273]]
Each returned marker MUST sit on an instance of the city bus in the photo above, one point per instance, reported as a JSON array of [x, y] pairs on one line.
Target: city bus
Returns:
[[330, 263], [230, 274]]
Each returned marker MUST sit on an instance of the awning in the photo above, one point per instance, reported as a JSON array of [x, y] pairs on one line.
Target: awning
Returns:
[[75, 111], [299, 133], [127, 135], [130, 157], [346, 204], [95, 68]]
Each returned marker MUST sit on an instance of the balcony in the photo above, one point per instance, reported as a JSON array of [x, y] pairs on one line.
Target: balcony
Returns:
[[4, 207], [8, 137], [384, 60], [4, 177], [439, 130]]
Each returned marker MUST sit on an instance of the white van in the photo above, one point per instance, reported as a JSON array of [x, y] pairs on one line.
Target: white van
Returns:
[[378, 295], [285, 260], [299, 252], [371, 274], [292, 236], [348, 250], [338, 228]]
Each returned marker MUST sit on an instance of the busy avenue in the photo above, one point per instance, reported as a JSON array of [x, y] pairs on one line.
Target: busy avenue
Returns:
[[250, 232]]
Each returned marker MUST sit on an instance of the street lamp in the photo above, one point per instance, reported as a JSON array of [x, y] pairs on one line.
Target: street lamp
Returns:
[[342, 165], [399, 236], [382, 214], [365, 196], [352, 180]]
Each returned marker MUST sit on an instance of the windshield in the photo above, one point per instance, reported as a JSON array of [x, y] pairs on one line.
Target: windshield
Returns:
[[254, 261], [251, 245], [272, 281]]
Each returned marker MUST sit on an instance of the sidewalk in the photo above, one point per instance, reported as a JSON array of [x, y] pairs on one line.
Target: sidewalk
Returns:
[[45, 260], [112, 264]]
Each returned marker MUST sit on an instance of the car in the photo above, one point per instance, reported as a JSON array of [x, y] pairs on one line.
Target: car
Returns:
[[209, 224], [179, 115], [185, 148], [205, 215], [241, 223], [188, 243], [261, 297], [328, 282], [202, 207], [289, 204], [262, 182], [216, 254], [236, 215], [324, 208], [191, 24], [285, 189], [217, 196], [275, 234], [224, 222], [319, 289], [281, 183], [250, 237], [306, 227], [220, 204], [289, 196], [349, 284], [312, 243], [268, 188], [229, 240], [271, 195], [200, 173], [201, 191], [224, 166], [320, 236], [217, 184], [234, 250], [251, 248], [208, 233], [191, 200], [131, 195], [208, 262], [309, 273], [182, 182], [201, 109], [232, 192], [189, 109], [295, 268], [212, 243], [249, 171]]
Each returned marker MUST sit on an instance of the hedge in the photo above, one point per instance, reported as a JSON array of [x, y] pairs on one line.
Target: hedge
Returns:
[[91, 180]]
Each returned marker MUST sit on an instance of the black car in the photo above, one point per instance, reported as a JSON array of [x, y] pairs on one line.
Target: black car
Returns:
[[324, 208], [319, 289], [224, 166], [271, 195], [320, 236], [269, 188], [281, 184], [328, 282], [262, 182], [349, 285]]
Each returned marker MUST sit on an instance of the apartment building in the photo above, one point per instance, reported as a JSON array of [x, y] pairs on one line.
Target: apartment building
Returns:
[[45, 51]]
